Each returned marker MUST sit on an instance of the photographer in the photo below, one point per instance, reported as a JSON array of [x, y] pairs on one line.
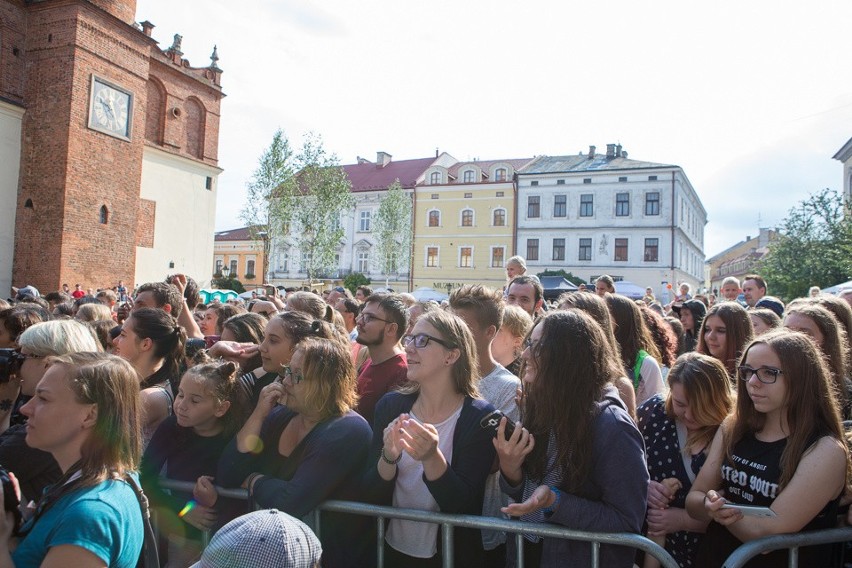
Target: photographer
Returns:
[[86, 415]]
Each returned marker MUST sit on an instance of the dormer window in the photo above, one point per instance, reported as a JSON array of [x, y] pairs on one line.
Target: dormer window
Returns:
[[435, 178], [500, 174], [468, 176]]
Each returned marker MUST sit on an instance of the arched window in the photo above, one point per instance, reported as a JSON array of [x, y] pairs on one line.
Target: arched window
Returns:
[[104, 215], [468, 176], [28, 204], [500, 174], [435, 178], [155, 111], [434, 218], [499, 217], [467, 218], [195, 118]]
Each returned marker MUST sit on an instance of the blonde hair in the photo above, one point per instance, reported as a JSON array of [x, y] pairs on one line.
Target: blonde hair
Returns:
[[329, 377], [94, 312], [58, 337], [516, 320]]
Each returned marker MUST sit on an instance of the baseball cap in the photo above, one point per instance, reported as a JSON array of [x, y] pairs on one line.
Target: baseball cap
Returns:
[[772, 303], [263, 539]]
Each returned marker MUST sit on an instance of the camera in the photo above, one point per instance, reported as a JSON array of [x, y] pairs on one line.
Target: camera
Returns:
[[11, 503], [10, 364]]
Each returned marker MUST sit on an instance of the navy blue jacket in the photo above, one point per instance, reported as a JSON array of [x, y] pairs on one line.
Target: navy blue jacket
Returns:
[[461, 488]]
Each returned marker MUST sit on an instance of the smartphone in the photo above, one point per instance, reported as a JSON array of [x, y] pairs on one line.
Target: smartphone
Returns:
[[492, 422], [751, 510]]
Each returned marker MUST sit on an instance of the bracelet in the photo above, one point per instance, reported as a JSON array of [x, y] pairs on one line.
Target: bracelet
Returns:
[[549, 510], [389, 461]]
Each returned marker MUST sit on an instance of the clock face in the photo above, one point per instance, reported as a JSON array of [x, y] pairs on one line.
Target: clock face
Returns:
[[110, 109]]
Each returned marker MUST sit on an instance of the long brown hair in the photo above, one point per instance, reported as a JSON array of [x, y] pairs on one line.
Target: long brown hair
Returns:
[[811, 405], [630, 330], [738, 333], [596, 307], [834, 344], [708, 389], [562, 399]]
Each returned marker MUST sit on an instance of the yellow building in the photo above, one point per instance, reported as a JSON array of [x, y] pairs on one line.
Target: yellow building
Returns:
[[464, 224], [242, 254]]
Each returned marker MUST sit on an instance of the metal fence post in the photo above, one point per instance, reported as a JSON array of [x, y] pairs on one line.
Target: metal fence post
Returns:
[[447, 545]]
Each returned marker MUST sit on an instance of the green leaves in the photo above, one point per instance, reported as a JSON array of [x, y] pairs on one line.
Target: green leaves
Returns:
[[393, 230], [813, 248]]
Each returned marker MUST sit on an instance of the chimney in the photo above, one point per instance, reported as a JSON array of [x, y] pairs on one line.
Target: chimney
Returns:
[[382, 159], [147, 27], [624, 154], [591, 152], [610, 151], [618, 150]]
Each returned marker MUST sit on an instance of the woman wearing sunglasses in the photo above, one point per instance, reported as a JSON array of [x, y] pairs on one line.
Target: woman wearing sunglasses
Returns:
[[429, 449], [303, 444], [782, 449]]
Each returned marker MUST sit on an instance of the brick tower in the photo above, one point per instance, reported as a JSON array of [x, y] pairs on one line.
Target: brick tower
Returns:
[[101, 100]]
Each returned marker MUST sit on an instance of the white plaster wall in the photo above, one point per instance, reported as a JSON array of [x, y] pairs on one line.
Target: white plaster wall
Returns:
[[185, 217], [10, 161]]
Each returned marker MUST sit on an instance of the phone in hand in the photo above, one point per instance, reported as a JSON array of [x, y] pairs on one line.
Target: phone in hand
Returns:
[[751, 510], [492, 421]]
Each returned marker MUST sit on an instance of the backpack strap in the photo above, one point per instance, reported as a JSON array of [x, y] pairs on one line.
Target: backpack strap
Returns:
[[149, 558], [637, 367]]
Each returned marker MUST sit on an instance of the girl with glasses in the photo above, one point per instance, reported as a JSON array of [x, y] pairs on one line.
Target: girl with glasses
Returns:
[[304, 444], [782, 448], [429, 449], [579, 460]]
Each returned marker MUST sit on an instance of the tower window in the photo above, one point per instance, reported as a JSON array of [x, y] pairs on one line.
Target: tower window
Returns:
[[104, 215]]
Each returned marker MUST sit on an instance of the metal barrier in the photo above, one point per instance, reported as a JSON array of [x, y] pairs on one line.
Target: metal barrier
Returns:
[[791, 542], [449, 521]]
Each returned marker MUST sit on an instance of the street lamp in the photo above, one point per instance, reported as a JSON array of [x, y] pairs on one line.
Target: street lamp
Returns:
[[226, 272]]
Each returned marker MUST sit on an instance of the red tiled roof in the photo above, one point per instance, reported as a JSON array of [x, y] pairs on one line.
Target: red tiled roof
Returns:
[[486, 165], [241, 234], [368, 176]]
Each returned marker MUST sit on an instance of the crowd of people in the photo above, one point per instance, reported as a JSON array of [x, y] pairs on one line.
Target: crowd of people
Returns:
[[703, 423]]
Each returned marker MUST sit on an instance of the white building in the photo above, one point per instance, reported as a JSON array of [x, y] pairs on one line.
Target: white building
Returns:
[[844, 155], [370, 181], [592, 214]]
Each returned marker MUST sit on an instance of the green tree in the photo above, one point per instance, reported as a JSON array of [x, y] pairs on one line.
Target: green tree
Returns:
[[813, 247], [228, 284], [392, 230], [575, 280], [352, 281], [312, 202], [307, 192], [275, 169]]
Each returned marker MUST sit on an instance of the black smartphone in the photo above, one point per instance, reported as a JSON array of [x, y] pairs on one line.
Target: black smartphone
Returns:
[[492, 422]]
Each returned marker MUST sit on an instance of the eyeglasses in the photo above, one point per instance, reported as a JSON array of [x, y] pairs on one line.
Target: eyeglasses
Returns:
[[421, 340], [766, 375], [24, 356], [288, 373], [367, 317]]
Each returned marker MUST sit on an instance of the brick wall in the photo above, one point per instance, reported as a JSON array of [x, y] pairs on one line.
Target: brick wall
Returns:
[[12, 50]]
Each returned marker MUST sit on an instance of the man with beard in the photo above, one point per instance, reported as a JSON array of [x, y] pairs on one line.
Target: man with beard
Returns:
[[381, 323]]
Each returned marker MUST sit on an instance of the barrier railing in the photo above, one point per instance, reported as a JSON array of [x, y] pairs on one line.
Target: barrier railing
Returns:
[[449, 521], [791, 542]]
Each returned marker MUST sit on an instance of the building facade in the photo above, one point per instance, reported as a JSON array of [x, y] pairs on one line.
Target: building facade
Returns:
[[594, 213], [738, 260], [241, 252], [369, 183], [844, 155], [111, 145], [464, 224]]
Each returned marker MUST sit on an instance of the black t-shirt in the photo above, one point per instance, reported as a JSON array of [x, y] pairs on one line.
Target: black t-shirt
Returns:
[[35, 469], [752, 479]]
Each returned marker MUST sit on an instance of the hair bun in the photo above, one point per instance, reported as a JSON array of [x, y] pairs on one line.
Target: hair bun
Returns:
[[316, 325]]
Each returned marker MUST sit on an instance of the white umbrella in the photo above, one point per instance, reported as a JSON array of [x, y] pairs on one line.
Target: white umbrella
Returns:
[[425, 294]]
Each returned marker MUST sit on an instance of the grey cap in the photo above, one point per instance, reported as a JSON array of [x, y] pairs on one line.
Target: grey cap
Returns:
[[262, 539]]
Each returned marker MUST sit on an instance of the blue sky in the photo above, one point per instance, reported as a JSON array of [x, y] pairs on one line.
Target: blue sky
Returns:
[[751, 99]]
